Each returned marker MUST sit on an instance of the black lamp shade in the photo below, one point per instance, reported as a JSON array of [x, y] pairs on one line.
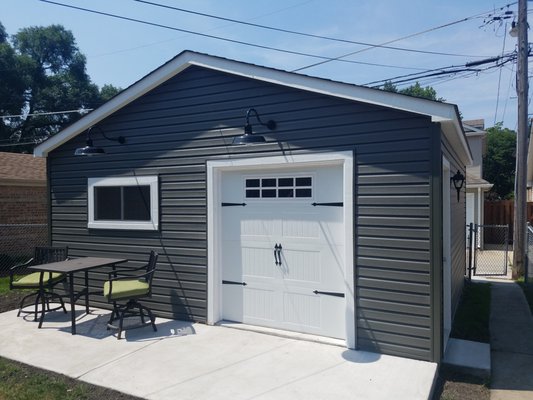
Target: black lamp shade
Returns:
[[89, 151], [249, 138]]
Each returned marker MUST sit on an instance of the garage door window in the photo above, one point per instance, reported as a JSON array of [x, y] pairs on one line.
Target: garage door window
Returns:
[[279, 188], [123, 203]]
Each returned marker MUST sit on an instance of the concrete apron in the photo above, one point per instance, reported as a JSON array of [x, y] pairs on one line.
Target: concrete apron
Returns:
[[195, 361]]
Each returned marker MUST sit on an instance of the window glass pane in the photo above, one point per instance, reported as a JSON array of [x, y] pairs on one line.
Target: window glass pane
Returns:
[[268, 193], [303, 181], [303, 192], [136, 203], [107, 203], [252, 183], [252, 193], [283, 182], [285, 193], [269, 182]]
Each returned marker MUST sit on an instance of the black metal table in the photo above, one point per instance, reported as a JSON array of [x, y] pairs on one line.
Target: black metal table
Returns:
[[69, 267]]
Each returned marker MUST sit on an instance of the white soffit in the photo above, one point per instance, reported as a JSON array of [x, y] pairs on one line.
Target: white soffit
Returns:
[[439, 112]]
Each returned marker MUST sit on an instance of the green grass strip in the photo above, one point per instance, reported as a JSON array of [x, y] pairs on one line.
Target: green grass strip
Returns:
[[472, 317], [20, 382]]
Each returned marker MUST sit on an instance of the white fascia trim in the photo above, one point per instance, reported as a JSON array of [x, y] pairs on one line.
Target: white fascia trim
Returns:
[[453, 131], [214, 199], [438, 111], [151, 225]]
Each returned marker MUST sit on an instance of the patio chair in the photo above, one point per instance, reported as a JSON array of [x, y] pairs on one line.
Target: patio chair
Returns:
[[131, 288], [42, 255]]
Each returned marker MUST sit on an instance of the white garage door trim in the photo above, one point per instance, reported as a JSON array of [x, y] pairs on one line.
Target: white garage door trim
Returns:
[[214, 224]]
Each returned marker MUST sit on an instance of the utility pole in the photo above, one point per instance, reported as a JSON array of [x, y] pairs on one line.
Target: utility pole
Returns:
[[519, 237]]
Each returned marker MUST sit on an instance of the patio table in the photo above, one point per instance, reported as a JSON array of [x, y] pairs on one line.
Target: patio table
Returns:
[[69, 267]]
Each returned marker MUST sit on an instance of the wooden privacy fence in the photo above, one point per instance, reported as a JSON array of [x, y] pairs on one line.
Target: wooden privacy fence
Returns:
[[502, 213]]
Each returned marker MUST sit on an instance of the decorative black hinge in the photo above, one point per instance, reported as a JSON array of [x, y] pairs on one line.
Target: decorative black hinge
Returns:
[[233, 204], [234, 283], [338, 204], [336, 294]]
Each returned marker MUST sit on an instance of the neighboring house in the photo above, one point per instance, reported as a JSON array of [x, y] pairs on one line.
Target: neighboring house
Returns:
[[23, 203], [337, 225], [476, 186]]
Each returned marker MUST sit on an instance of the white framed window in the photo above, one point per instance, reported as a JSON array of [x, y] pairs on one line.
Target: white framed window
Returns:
[[282, 187], [123, 203]]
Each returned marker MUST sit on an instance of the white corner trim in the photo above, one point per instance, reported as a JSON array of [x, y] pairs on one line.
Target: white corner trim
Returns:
[[214, 229], [151, 225]]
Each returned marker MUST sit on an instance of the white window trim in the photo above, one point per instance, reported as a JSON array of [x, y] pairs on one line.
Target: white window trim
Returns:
[[151, 225], [214, 225]]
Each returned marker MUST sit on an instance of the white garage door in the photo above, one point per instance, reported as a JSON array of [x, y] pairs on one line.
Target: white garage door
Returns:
[[282, 249]]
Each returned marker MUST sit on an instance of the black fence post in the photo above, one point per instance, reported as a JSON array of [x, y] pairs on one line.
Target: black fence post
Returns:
[[470, 234]]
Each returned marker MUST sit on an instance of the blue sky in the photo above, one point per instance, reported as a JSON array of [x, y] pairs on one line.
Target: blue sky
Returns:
[[121, 52]]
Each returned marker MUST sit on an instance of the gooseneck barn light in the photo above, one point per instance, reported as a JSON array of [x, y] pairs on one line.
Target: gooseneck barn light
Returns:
[[458, 181], [90, 149], [249, 137]]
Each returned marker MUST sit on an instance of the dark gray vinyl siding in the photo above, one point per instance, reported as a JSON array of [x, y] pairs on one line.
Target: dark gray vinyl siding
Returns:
[[458, 228], [173, 130]]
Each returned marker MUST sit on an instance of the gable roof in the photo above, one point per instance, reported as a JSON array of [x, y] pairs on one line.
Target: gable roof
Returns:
[[22, 169], [446, 114]]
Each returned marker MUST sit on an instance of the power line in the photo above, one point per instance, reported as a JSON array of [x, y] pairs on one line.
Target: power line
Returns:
[[301, 33], [443, 70], [223, 38], [79, 111], [500, 78], [401, 38]]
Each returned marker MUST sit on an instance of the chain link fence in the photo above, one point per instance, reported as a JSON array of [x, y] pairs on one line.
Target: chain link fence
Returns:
[[17, 243], [487, 250]]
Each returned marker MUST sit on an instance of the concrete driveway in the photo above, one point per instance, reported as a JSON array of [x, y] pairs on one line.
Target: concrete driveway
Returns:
[[195, 361]]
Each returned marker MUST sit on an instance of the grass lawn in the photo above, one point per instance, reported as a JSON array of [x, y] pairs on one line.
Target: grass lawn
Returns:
[[472, 317], [528, 291], [471, 323]]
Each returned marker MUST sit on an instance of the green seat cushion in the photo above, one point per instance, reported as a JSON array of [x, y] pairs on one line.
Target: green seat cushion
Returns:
[[126, 288], [33, 279]]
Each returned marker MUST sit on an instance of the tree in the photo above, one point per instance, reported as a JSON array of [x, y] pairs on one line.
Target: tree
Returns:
[[108, 91], [415, 90], [43, 71], [499, 162]]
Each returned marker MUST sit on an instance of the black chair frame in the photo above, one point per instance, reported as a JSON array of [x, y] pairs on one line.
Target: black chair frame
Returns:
[[121, 311], [43, 255]]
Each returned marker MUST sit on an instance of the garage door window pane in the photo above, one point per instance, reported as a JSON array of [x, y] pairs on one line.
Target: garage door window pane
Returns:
[[252, 183], [252, 193], [307, 181], [269, 193], [268, 182]]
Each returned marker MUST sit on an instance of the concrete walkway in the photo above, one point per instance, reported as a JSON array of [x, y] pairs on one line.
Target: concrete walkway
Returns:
[[195, 361], [511, 328]]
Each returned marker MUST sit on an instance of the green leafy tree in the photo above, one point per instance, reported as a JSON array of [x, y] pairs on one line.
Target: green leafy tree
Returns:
[[43, 71], [415, 90], [499, 163], [108, 91]]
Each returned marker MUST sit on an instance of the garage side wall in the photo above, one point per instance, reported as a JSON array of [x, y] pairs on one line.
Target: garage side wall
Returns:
[[173, 130], [458, 226]]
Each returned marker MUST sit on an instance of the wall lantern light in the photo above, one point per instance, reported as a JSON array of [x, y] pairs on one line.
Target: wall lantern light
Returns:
[[458, 181], [90, 150], [249, 137]]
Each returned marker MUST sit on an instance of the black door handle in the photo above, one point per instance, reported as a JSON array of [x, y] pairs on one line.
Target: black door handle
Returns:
[[279, 254], [276, 249]]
